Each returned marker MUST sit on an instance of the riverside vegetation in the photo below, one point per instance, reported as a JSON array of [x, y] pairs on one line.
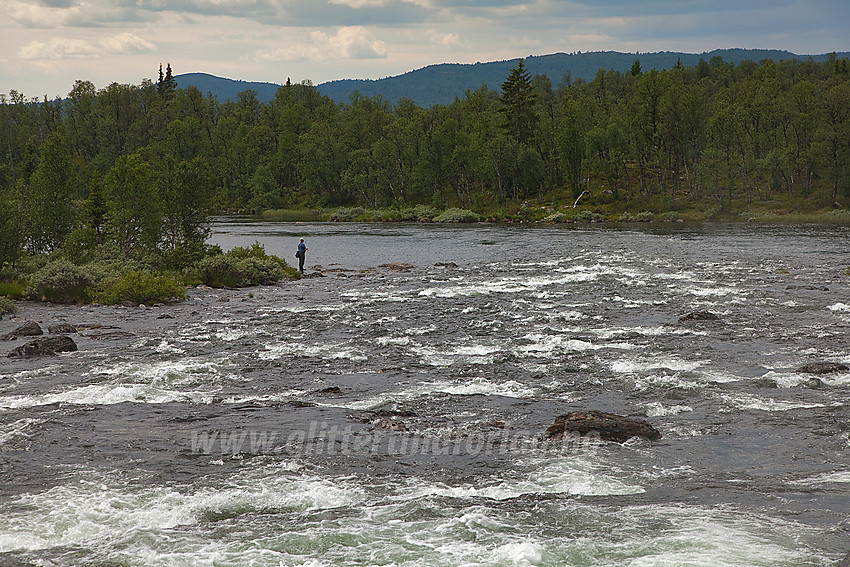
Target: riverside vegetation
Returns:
[[105, 195]]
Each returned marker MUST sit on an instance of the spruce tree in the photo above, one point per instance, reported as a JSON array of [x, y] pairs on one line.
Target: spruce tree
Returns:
[[518, 103]]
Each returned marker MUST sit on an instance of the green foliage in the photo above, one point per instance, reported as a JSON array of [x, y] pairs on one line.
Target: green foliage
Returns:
[[243, 267], [297, 215], [134, 207], [7, 306], [518, 104], [139, 287], [557, 217], [11, 237], [458, 216], [589, 216], [345, 214], [713, 139], [50, 194], [60, 281], [12, 290]]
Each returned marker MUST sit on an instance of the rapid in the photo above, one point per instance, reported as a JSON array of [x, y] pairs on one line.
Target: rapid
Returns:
[[389, 408]]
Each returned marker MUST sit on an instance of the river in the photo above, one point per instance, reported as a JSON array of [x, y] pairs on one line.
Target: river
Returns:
[[389, 409]]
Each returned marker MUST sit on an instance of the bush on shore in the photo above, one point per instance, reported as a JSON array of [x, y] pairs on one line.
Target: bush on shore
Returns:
[[242, 267], [7, 306], [139, 287], [60, 281], [458, 216], [110, 278]]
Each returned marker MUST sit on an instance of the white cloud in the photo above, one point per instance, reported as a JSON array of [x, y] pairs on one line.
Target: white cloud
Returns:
[[357, 4], [30, 14], [451, 40], [352, 42], [126, 43], [58, 48], [356, 42]]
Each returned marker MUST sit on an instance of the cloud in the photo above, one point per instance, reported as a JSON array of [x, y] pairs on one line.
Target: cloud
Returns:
[[451, 40], [126, 43], [357, 4], [59, 48], [350, 42]]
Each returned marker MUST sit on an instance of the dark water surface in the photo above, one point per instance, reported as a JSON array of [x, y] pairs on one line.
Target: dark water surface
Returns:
[[381, 417]]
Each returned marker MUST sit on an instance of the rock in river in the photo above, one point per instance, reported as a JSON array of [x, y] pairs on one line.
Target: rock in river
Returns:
[[61, 329], [699, 316], [823, 368], [609, 426], [28, 329], [45, 346]]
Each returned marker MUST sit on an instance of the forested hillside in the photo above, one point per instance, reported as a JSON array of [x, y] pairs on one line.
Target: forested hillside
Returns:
[[441, 84], [139, 165]]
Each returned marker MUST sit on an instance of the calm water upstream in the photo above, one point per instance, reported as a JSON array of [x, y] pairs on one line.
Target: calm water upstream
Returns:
[[380, 417]]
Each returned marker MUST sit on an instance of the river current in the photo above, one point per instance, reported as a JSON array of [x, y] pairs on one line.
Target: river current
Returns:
[[389, 409]]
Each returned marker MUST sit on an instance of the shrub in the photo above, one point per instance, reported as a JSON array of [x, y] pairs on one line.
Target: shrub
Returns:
[[589, 216], [626, 217], [59, 281], [242, 267], [219, 271], [139, 286], [556, 217], [256, 250], [644, 216], [457, 215], [12, 290], [110, 268], [7, 306], [344, 214]]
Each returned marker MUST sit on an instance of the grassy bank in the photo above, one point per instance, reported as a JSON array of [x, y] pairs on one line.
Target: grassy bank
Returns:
[[533, 212]]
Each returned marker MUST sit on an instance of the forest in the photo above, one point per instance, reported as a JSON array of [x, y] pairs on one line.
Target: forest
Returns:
[[137, 169]]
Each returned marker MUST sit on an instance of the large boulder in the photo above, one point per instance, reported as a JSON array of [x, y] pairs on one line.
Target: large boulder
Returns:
[[44, 346], [823, 368], [28, 329], [609, 426]]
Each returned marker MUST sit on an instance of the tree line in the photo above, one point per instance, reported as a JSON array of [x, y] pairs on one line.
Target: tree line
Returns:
[[139, 166]]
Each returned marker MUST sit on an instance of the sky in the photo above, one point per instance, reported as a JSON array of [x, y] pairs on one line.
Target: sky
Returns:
[[47, 45]]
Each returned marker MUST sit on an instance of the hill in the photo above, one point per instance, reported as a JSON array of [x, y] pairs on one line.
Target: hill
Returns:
[[440, 84], [225, 89]]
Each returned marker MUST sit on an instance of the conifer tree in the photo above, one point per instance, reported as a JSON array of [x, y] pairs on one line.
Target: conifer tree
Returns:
[[167, 84], [518, 103]]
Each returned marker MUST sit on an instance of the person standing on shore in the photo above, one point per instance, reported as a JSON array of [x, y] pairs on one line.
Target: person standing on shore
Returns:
[[302, 251]]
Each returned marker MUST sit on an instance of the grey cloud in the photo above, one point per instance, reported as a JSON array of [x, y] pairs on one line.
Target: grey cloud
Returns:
[[296, 13]]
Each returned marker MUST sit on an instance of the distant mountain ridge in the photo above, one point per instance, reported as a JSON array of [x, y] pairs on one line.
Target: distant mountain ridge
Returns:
[[442, 83]]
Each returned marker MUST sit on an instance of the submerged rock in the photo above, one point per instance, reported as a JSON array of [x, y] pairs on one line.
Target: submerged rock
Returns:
[[397, 267], [61, 329], [445, 265], [809, 287], [389, 424], [609, 426], [45, 346], [823, 368], [699, 316], [28, 329]]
